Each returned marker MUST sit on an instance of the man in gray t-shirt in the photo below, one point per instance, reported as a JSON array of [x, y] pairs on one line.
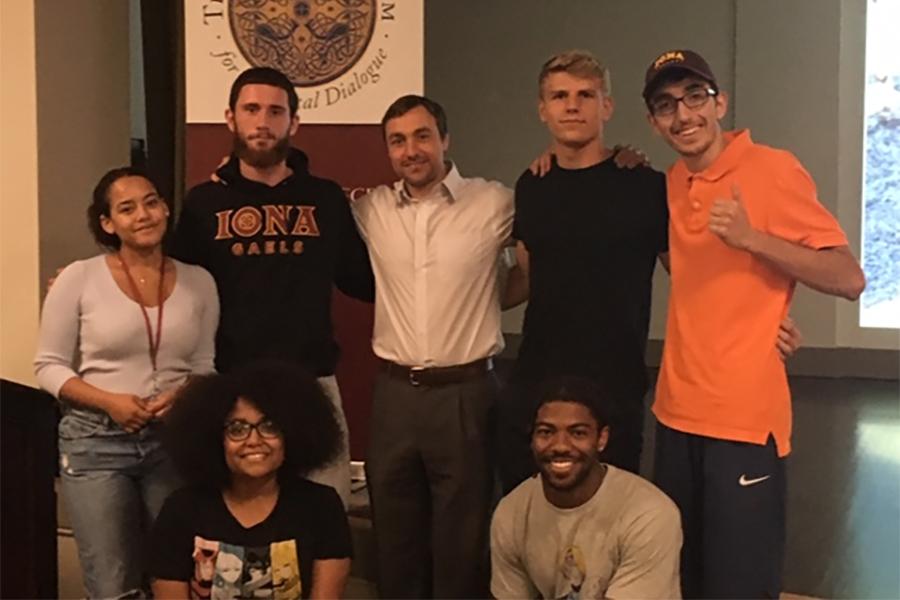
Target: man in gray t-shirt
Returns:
[[581, 528]]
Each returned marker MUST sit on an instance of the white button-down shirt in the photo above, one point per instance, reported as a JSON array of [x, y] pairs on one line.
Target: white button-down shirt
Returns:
[[436, 262]]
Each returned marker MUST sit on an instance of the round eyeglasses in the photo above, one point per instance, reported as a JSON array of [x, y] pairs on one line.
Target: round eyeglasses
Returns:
[[239, 430], [666, 104]]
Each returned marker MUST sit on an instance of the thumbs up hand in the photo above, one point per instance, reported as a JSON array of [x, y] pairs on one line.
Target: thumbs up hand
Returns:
[[728, 220]]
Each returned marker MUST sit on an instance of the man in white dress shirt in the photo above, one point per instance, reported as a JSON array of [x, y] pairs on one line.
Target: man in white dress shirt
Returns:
[[435, 239]]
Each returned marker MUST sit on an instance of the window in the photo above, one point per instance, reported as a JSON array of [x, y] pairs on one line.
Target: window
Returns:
[[881, 194]]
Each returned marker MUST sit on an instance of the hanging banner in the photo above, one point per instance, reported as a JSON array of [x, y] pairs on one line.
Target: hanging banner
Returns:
[[349, 59]]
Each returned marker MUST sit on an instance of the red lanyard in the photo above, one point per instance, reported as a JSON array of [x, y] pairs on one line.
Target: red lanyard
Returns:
[[154, 347]]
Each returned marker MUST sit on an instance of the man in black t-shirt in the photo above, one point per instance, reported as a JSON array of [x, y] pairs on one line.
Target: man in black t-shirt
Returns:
[[588, 235]]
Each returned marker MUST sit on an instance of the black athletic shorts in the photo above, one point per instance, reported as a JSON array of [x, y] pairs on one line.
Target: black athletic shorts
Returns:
[[732, 501]]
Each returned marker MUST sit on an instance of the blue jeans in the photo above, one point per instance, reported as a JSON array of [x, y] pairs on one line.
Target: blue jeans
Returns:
[[113, 484]]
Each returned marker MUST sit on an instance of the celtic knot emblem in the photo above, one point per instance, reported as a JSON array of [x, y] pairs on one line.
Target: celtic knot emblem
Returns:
[[310, 41]]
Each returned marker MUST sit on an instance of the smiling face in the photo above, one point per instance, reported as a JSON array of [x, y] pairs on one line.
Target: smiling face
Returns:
[[416, 149], [256, 456], [566, 443], [137, 215], [575, 109], [694, 133]]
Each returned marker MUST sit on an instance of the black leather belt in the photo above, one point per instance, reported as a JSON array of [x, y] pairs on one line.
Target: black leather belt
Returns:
[[433, 376]]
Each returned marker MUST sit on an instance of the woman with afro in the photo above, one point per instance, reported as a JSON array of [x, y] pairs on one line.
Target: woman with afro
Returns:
[[248, 524]]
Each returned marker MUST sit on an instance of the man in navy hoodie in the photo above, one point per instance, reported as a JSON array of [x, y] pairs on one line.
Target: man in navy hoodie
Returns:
[[277, 240]]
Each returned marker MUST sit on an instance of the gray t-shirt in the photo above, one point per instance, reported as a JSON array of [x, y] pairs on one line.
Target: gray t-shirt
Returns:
[[91, 329], [625, 542]]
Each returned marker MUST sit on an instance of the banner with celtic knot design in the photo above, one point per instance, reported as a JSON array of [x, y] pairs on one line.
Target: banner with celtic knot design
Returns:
[[349, 59]]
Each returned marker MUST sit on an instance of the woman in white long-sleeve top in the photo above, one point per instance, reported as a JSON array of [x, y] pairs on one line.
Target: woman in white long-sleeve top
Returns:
[[120, 333]]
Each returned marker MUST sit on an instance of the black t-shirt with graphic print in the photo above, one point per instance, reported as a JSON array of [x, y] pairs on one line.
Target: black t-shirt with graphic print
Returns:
[[276, 253], [196, 539], [593, 236]]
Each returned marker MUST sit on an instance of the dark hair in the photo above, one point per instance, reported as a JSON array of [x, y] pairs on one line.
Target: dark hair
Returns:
[[674, 75], [99, 206], [285, 393], [266, 76], [580, 390], [404, 104]]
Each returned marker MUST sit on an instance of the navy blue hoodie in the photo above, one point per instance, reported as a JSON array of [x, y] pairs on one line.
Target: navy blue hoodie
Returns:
[[275, 252]]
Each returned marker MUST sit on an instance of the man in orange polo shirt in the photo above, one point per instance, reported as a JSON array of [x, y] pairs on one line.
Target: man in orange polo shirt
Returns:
[[745, 226]]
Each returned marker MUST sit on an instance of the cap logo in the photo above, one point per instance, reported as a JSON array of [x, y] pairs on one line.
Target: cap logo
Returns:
[[666, 58]]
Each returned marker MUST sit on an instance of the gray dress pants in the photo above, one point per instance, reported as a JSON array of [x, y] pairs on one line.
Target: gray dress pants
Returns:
[[430, 472]]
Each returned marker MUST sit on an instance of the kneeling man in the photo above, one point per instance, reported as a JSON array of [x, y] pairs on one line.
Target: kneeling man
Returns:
[[582, 528]]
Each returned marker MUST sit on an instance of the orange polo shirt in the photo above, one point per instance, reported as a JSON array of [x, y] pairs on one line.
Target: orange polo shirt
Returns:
[[721, 375]]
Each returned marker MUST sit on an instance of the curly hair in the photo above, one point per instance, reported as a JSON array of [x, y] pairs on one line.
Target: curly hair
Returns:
[[580, 390], [283, 392]]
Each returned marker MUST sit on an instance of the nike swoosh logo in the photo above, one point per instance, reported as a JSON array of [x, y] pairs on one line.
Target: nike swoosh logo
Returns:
[[745, 482]]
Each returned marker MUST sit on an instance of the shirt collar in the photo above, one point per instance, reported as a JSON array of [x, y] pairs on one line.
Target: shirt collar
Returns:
[[449, 188], [737, 142]]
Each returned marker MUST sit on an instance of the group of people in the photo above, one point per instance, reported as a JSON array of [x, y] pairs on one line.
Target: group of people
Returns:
[[130, 341]]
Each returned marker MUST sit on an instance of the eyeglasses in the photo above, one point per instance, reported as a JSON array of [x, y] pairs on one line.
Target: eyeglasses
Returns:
[[666, 104], [238, 430]]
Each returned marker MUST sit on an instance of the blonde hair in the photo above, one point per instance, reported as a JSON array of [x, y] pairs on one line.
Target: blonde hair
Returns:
[[579, 63]]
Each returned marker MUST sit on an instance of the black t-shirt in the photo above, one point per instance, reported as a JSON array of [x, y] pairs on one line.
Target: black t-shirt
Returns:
[[593, 236], [196, 539], [275, 253]]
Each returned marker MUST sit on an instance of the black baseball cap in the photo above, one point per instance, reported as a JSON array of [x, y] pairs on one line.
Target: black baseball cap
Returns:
[[687, 60]]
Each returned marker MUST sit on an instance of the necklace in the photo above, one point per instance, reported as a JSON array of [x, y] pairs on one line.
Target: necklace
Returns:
[[154, 344]]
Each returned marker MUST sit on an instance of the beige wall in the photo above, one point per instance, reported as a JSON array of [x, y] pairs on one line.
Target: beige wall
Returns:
[[65, 120], [18, 191], [83, 91], [799, 83]]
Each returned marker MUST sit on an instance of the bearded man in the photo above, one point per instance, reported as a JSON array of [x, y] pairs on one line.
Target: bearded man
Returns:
[[276, 240]]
